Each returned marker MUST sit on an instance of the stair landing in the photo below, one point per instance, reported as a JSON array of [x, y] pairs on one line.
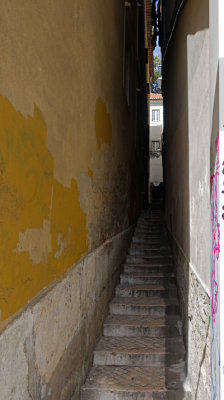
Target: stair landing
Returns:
[[141, 355]]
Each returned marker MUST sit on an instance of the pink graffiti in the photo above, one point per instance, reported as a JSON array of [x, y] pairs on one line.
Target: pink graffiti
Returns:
[[215, 231]]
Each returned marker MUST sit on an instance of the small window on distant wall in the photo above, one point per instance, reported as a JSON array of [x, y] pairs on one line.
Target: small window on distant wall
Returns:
[[155, 115], [155, 145]]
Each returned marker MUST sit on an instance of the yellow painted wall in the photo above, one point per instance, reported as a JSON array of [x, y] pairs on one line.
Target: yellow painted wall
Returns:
[[66, 140]]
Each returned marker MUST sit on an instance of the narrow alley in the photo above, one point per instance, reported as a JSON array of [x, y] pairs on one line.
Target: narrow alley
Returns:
[[112, 200]]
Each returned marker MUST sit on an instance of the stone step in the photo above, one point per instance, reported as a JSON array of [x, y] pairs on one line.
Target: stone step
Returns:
[[149, 240], [151, 244], [149, 216], [151, 224], [146, 268], [150, 219], [147, 233], [144, 306], [142, 351], [135, 383], [150, 260], [146, 290], [138, 278], [163, 250], [129, 325], [150, 230], [156, 236]]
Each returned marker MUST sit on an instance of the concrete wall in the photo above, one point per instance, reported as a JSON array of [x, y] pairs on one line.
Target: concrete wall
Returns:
[[67, 187], [187, 168]]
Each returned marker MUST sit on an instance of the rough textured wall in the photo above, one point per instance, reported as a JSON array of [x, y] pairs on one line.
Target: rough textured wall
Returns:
[[65, 172], [195, 310], [187, 165], [46, 352]]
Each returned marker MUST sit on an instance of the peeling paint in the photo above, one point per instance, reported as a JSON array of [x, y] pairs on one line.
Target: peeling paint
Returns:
[[37, 242], [34, 208], [63, 242]]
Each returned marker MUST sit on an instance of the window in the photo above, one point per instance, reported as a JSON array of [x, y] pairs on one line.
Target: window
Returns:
[[155, 115], [155, 145]]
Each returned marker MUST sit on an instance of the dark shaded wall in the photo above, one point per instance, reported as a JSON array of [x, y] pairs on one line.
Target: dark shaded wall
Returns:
[[187, 176]]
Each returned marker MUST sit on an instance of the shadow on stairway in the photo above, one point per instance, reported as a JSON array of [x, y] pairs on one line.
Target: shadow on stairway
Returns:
[[141, 354]]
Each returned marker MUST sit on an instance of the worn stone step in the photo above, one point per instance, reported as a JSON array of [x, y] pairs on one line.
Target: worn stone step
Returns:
[[151, 235], [149, 246], [151, 217], [146, 268], [150, 240], [142, 351], [150, 230], [150, 260], [157, 251], [143, 290], [151, 221], [144, 306], [129, 325], [151, 224], [147, 278], [135, 383], [147, 233]]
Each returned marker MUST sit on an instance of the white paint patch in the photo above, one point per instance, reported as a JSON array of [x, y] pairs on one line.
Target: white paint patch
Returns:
[[63, 242], [37, 242]]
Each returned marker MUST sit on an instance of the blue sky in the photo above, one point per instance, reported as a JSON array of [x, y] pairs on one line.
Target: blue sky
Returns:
[[157, 51]]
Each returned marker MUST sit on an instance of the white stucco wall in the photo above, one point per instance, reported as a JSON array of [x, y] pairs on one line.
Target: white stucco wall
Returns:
[[156, 130], [187, 171]]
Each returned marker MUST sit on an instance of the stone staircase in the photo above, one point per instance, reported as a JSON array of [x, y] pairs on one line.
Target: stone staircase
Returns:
[[141, 355]]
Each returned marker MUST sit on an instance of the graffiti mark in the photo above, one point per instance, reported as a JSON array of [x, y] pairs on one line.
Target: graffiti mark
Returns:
[[215, 231]]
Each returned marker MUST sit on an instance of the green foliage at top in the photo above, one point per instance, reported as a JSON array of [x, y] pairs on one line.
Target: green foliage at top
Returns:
[[157, 74]]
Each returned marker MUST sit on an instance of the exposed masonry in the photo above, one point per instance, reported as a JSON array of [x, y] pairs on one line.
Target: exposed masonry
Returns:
[[141, 354], [46, 351], [195, 310]]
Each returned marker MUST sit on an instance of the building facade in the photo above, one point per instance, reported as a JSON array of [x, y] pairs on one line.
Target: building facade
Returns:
[[156, 138]]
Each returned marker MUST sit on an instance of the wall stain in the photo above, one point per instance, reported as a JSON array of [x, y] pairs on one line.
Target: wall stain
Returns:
[[103, 125], [90, 173], [34, 209]]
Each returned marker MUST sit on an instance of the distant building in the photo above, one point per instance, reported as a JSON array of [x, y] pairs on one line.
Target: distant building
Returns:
[[155, 144]]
